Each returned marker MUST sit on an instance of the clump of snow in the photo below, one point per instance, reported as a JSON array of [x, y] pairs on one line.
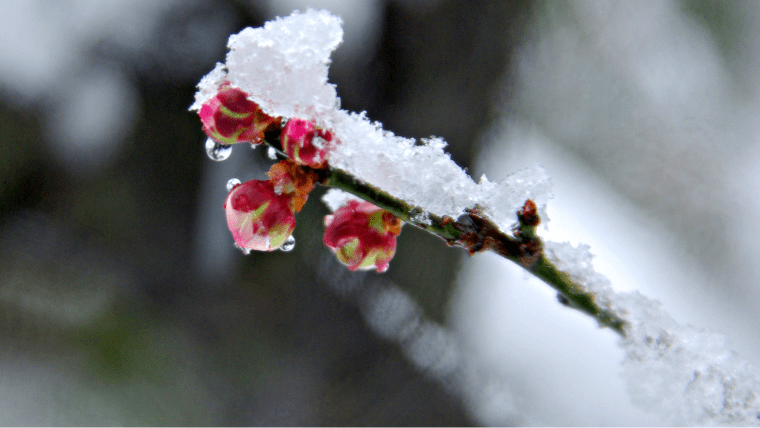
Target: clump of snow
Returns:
[[209, 85], [424, 175], [578, 263], [502, 200], [687, 374], [283, 67], [336, 198], [421, 174]]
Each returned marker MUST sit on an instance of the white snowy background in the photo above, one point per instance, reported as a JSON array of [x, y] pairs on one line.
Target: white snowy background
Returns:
[[648, 127], [644, 114]]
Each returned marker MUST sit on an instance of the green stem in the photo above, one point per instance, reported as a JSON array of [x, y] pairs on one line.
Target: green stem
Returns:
[[445, 229], [504, 245], [574, 295], [477, 233]]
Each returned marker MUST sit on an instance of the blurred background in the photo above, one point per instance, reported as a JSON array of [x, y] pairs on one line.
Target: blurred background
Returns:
[[124, 302]]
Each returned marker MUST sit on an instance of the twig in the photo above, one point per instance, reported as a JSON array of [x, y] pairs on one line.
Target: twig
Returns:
[[475, 232]]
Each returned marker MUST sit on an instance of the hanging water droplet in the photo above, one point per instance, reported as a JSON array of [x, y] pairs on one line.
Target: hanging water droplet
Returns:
[[245, 251], [289, 244], [217, 151], [272, 153], [232, 183]]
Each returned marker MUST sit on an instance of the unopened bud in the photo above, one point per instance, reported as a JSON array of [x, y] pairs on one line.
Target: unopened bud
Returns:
[[362, 235], [258, 217], [306, 143], [230, 117]]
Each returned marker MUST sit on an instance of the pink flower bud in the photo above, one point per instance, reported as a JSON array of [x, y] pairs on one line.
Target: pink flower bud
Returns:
[[230, 117], [362, 235], [258, 217], [306, 143]]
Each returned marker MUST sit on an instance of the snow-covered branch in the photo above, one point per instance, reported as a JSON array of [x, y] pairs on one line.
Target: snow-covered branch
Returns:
[[273, 89]]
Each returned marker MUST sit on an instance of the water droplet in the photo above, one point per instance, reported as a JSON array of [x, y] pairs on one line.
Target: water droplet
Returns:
[[272, 153], [217, 151], [289, 244], [232, 183], [245, 251]]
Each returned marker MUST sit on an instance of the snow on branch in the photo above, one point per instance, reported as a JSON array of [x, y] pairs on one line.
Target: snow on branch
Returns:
[[283, 67], [687, 374]]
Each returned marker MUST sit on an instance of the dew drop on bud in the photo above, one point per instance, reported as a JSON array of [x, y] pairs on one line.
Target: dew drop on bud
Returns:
[[217, 151], [272, 153], [232, 183], [245, 251], [289, 244]]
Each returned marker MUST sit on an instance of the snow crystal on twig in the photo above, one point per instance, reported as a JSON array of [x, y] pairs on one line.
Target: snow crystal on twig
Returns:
[[336, 198], [687, 374]]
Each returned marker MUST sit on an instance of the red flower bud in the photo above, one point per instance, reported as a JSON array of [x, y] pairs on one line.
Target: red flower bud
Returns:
[[362, 235], [306, 143], [230, 117], [258, 217]]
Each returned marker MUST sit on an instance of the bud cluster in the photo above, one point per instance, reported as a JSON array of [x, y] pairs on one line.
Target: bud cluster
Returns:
[[261, 213]]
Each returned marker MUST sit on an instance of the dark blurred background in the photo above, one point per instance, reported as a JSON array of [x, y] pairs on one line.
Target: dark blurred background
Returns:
[[122, 299]]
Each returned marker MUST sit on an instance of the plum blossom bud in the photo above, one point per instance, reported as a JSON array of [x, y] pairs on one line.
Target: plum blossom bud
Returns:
[[230, 117], [306, 143], [362, 235], [294, 181], [258, 217]]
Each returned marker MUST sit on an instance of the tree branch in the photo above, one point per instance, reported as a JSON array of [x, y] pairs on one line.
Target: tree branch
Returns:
[[476, 233]]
